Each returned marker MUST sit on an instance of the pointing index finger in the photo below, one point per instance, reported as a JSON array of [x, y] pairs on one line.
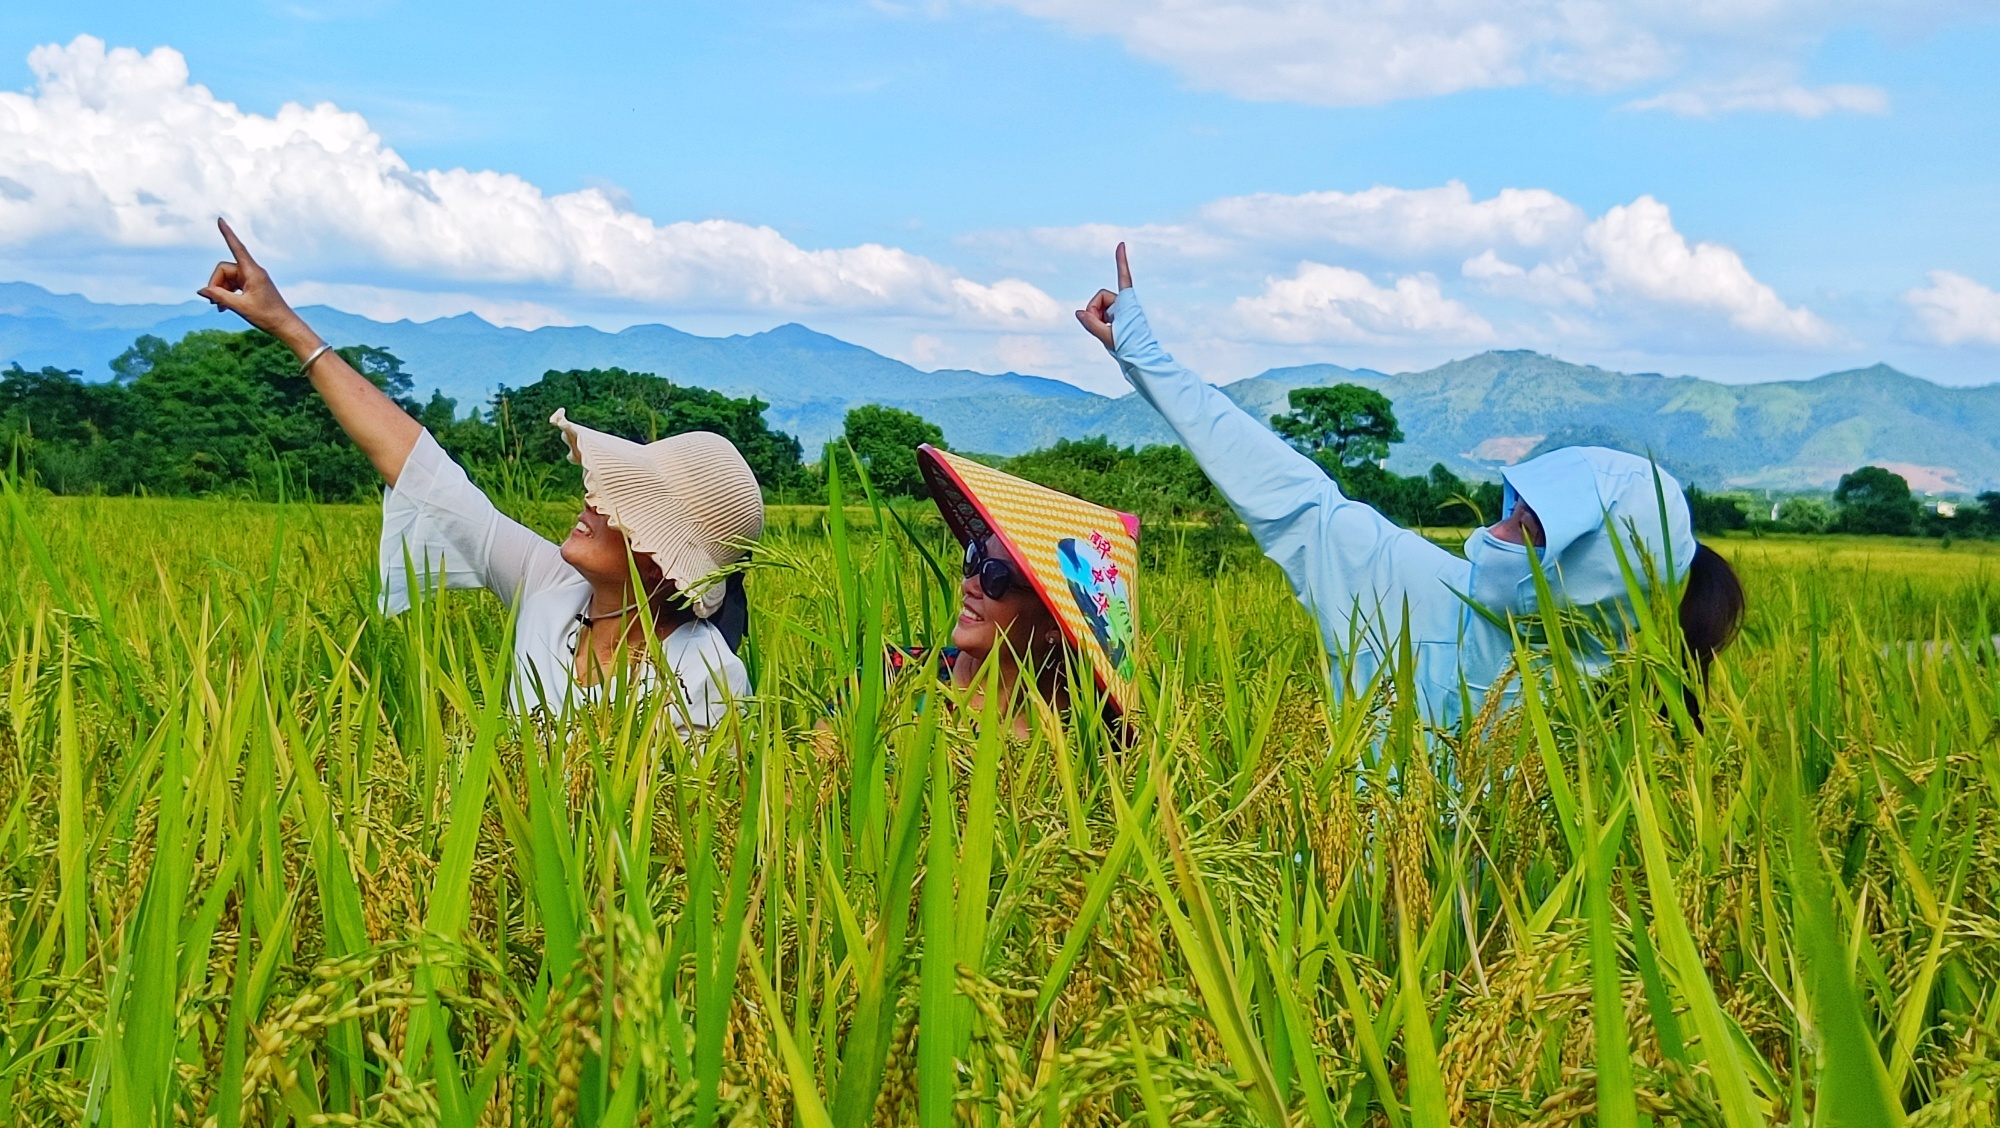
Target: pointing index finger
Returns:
[[236, 246], [1124, 269]]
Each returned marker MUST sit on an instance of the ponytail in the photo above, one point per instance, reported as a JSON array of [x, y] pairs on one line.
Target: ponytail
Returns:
[[1711, 613]]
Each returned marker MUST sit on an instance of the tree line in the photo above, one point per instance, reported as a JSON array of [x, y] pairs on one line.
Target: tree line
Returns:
[[1869, 501], [222, 413], [1346, 429], [1349, 428], [1878, 501]]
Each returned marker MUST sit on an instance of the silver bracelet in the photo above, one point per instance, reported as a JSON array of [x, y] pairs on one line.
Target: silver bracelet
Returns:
[[306, 368]]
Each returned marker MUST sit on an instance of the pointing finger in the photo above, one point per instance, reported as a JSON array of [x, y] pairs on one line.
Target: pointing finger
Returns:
[[1124, 269], [236, 246]]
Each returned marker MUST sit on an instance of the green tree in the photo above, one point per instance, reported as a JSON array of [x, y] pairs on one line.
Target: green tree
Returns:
[[1806, 515], [1439, 497], [1874, 500], [222, 411], [1986, 518], [1156, 482], [65, 432], [1714, 513], [230, 412], [885, 439], [215, 411], [1348, 429], [638, 406], [1339, 426], [1447, 499]]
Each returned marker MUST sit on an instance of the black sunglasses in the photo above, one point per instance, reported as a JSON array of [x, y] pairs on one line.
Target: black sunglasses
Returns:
[[996, 576]]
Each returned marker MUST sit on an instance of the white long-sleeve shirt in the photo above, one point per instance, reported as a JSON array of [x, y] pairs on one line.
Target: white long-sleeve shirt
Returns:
[[1358, 572], [435, 522]]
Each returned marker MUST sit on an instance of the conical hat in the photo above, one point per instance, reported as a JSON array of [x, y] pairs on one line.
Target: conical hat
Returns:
[[1082, 559]]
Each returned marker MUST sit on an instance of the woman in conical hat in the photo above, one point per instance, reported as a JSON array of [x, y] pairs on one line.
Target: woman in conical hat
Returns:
[[1047, 578], [1369, 582], [672, 513]]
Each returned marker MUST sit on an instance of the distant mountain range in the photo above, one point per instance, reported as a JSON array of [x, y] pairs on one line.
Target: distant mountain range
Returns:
[[1498, 407], [1474, 415]]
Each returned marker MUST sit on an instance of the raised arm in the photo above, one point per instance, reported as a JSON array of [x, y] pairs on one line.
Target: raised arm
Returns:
[[1342, 557], [1263, 478], [383, 431]]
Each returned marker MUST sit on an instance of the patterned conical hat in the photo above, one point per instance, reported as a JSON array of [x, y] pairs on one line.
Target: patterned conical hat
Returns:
[[1082, 559]]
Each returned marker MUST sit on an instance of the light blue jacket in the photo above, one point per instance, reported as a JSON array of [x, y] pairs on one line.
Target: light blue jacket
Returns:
[[1362, 576]]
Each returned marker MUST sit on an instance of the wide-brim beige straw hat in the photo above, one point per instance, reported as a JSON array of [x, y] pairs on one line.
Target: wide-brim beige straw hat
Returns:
[[1081, 559], [689, 501]]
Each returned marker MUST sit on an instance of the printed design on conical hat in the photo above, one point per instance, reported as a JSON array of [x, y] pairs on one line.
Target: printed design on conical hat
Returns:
[[1081, 559]]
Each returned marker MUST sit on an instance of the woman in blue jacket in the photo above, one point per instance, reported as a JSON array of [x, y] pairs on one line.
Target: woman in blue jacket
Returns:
[[1365, 579]]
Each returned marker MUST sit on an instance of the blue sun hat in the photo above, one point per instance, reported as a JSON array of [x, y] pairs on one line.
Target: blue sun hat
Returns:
[[1573, 492]]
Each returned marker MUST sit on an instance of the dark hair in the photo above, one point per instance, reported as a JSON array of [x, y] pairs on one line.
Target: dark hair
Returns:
[[732, 619], [1711, 613], [662, 594]]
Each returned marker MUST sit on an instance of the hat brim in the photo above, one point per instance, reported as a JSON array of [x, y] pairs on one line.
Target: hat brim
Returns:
[[619, 481], [1080, 559]]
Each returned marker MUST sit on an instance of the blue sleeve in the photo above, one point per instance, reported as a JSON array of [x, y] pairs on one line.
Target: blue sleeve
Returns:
[[1354, 569]]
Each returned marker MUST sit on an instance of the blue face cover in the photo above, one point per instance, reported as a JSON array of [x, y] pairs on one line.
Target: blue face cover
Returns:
[[1501, 574]]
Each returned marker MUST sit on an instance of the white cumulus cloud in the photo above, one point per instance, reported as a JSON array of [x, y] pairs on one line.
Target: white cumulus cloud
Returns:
[[1624, 273], [1358, 52], [115, 149], [1332, 304], [1398, 220], [1381, 220], [1545, 283], [1641, 253], [1955, 310]]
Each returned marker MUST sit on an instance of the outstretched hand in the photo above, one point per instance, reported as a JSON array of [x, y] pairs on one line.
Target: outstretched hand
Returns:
[[244, 288], [1096, 316], [377, 424]]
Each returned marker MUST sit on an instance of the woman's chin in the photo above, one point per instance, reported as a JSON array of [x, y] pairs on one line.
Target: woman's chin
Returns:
[[972, 638], [578, 553]]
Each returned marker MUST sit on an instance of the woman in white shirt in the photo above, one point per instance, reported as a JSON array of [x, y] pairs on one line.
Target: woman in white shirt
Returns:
[[673, 512]]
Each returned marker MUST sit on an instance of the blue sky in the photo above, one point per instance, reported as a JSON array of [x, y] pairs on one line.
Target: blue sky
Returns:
[[1739, 191]]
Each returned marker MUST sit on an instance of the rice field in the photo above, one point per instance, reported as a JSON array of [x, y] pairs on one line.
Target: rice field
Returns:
[[267, 858]]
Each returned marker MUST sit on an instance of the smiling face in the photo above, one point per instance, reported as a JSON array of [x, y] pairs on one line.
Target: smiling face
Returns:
[[597, 549], [1018, 616]]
